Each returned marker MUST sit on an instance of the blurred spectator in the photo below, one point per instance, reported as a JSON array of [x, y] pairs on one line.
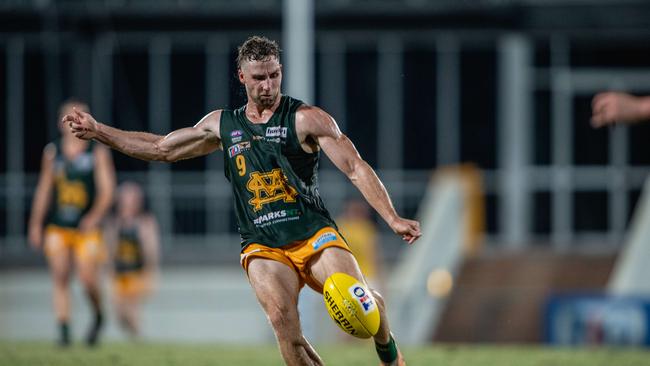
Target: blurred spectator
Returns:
[[80, 177], [611, 107], [358, 229], [133, 240]]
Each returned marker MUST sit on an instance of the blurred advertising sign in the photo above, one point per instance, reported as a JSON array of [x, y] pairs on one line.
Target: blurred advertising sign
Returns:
[[597, 319]]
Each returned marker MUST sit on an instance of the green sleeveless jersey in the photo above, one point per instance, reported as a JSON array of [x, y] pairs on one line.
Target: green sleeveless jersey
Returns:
[[74, 187], [128, 254], [274, 181]]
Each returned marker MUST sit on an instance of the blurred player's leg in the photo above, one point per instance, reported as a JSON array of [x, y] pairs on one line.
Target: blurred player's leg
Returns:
[[334, 260], [60, 262], [88, 265], [126, 306], [276, 287]]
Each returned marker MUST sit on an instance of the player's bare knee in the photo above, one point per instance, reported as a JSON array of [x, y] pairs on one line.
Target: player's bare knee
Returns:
[[88, 282], [60, 280]]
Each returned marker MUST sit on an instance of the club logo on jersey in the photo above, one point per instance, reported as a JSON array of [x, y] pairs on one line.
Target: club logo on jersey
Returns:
[[367, 303], [276, 132], [324, 238], [71, 192], [238, 148], [277, 217], [270, 187], [127, 251], [236, 136]]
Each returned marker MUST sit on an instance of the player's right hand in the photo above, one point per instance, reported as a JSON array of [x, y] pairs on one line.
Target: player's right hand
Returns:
[[408, 229], [82, 124], [35, 237]]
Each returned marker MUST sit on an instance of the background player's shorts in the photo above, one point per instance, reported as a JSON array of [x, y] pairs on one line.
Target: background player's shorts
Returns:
[[131, 284], [298, 254], [85, 246]]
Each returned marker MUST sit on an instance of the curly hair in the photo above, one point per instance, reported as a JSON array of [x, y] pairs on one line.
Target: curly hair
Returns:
[[257, 48]]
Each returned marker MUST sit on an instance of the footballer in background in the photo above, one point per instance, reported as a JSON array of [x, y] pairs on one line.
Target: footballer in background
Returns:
[[133, 240], [74, 192], [358, 229]]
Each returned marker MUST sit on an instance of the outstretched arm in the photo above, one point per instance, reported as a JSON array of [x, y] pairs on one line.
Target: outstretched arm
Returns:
[[611, 107], [184, 143], [314, 123]]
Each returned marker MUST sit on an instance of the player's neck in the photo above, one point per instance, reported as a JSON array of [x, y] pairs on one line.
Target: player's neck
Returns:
[[257, 113], [72, 146], [128, 220]]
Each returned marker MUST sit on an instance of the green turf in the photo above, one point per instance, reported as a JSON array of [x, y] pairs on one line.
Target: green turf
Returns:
[[118, 354]]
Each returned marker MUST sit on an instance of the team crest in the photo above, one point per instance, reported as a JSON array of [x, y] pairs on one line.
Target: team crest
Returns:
[[270, 187]]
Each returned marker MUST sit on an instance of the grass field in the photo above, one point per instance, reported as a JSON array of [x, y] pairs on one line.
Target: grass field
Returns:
[[120, 354]]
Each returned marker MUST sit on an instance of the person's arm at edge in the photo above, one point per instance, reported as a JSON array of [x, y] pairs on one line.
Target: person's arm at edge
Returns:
[[41, 201], [614, 107], [321, 126], [184, 143]]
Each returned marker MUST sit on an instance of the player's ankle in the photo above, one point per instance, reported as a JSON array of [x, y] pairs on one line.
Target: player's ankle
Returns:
[[93, 335], [64, 334], [387, 352]]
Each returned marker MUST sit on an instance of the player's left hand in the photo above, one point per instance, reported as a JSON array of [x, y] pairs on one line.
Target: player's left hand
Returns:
[[82, 124], [408, 229], [88, 223], [35, 236]]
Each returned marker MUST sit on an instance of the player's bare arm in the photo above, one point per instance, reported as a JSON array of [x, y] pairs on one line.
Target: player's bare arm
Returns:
[[185, 143], [148, 233], [316, 129], [105, 183], [42, 196], [111, 238], [613, 107]]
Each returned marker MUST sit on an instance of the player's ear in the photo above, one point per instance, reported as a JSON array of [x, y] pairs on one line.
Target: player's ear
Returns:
[[240, 74]]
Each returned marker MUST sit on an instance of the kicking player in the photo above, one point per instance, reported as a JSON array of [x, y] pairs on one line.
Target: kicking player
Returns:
[[74, 192], [271, 151]]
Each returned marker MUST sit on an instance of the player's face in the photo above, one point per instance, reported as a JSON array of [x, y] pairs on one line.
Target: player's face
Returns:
[[129, 201], [67, 109], [262, 80]]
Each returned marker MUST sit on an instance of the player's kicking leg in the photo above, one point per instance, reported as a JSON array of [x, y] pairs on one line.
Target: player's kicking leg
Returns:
[[276, 287], [334, 260]]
